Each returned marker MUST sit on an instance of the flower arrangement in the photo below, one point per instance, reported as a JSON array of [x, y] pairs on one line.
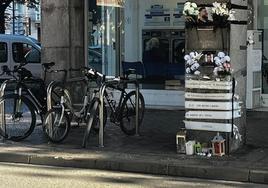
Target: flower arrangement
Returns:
[[192, 64], [190, 9], [190, 12], [221, 14], [222, 65]]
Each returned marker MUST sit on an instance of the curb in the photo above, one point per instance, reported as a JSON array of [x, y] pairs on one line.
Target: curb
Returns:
[[136, 166]]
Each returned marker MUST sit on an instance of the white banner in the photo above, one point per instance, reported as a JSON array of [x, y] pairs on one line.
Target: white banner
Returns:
[[206, 126], [111, 3], [211, 96], [199, 84], [205, 105], [220, 115]]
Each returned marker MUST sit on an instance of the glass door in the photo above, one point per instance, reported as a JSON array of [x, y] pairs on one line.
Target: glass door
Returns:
[[104, 36]]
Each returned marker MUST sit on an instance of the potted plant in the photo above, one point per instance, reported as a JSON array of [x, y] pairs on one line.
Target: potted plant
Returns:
[[221, 14], [190, 12]]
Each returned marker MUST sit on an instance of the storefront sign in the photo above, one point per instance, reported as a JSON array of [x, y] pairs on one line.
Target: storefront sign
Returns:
[[198, 84], [207, 126], [210, 96], [198, 105], [157, 15], [224, 115], [112, 3], [178, 17]]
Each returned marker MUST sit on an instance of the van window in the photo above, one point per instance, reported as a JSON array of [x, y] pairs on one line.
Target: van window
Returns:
[[3, 52], [25, 52]]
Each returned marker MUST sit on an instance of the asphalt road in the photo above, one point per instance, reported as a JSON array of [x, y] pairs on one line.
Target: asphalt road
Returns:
[[17, 176]]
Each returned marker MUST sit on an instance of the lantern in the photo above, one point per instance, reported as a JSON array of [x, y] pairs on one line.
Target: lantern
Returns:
[[180, 141], [218, 145]]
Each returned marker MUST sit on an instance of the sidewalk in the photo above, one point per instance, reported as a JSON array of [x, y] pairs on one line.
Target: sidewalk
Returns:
[[153, 152]]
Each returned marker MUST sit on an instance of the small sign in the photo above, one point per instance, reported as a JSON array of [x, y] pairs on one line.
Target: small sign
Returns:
[[157, 15], [207, 126], [209, 96], [218, 115], [111, 3], [200, 105], [198, 84]]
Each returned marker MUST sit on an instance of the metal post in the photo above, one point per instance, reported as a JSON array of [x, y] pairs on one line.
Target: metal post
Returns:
[[2, 110], [49, 106], [13, 14], [137, 108], [101, 132]]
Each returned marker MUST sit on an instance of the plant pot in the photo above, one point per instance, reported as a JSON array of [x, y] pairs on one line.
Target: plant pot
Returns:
[[220, 21]]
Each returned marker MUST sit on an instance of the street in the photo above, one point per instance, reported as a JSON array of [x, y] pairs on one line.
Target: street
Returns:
[[18, 175]]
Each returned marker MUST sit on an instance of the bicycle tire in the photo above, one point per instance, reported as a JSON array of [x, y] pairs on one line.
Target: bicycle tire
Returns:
[[60, 131], [25, 128], [130, 113], [92, 116]]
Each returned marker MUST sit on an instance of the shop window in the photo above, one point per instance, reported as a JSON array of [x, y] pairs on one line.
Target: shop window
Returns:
[[25, 52], [150, 37], [3, 52]]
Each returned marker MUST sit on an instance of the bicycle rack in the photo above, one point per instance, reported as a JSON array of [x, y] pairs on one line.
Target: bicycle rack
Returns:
[[101, 118], [2, 108]]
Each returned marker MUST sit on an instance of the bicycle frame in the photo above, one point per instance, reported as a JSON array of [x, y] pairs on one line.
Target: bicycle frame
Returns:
[[20, 88], [115, 109]]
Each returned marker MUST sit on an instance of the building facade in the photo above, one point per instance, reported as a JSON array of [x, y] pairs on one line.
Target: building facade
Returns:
[[115, 35], [26, 21]]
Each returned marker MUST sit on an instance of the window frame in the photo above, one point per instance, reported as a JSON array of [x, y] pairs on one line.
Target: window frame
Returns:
[[32, 46], [6, 49]]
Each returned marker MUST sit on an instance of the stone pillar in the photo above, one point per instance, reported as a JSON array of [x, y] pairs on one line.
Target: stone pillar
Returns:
[[63, 38], [233, 41], [63, 32]]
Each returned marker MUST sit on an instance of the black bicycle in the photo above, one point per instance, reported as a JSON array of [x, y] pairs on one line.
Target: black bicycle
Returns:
[[23, 101], [123, 112]]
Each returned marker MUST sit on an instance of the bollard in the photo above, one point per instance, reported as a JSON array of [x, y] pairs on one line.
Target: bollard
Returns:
[[137, 108], [101, 132]]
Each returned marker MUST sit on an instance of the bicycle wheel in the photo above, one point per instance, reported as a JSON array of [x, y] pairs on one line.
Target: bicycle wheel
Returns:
[[56, 125], [90, 121], [17, 117], [128, 113], [58, 91], [96, 122]]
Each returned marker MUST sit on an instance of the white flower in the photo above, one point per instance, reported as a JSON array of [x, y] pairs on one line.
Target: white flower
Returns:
[[194, 5], [188, 70], [197, 72], [191, 11], [221, 55], [227, 59], [187, 57], [187, 4], [220, 9]]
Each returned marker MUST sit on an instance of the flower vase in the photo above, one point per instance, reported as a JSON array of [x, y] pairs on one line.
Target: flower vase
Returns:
[[220, 21]]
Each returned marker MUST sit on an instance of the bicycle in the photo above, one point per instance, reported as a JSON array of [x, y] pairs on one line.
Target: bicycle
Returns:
[[58, 119], [123, 114], [18, 110]]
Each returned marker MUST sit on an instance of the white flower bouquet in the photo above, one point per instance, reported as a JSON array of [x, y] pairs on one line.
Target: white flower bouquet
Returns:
[[222, 65], [190, 9], [190, 12], [192, 65], [221, 14]]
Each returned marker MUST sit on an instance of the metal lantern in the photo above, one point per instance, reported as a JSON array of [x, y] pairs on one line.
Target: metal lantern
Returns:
[[181, 141], [218, 145]]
